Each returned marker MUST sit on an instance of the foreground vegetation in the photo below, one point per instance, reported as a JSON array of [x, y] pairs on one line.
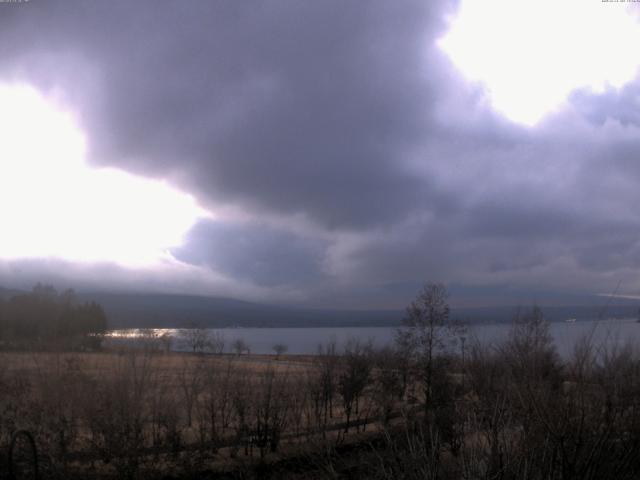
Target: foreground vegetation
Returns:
[[514, 411], [428, 408]]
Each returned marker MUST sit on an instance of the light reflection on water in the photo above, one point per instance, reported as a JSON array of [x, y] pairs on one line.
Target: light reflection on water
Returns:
[[142, 333], [306, 340]]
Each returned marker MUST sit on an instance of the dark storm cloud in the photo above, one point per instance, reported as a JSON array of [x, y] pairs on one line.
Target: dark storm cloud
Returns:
[[359, 160], [254, 252], [511, 220], [262, 105]]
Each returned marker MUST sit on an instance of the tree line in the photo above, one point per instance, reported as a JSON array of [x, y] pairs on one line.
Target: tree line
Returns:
[[45, 316]]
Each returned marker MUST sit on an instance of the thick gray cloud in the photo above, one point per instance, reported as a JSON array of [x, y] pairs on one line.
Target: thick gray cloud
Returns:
[[257, 104], [254, 252], [615, 105], [358, 161]]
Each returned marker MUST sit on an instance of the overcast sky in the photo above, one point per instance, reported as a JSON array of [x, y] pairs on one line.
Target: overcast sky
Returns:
[[326, 153]]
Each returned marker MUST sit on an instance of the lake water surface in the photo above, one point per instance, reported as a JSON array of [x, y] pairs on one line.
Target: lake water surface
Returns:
[[306, 340]]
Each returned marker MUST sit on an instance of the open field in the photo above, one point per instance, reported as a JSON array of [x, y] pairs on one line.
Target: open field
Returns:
[[122, 413]]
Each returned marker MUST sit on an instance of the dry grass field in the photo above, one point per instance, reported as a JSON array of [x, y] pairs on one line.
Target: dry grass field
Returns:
[[126, 412]]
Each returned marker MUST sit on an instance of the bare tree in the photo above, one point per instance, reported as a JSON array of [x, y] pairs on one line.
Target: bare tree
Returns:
[[117, 411], [239, 346], [424, 332], [280, 349], [530, 349], [327, 360], [214, 408], [354, 377], [191, 379], [270, 409], [216, 343], [389, 383], [196, 339], [242, 403]]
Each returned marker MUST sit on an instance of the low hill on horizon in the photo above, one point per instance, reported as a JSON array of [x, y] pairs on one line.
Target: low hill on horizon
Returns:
[[157, 310], [135, 310], [143, 310]]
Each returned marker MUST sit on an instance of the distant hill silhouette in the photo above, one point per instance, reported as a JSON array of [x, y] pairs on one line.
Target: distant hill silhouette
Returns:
[[133, 310], [146, 310]]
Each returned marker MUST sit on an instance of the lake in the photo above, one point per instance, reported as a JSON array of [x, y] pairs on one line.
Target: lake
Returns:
[[306, 340]]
